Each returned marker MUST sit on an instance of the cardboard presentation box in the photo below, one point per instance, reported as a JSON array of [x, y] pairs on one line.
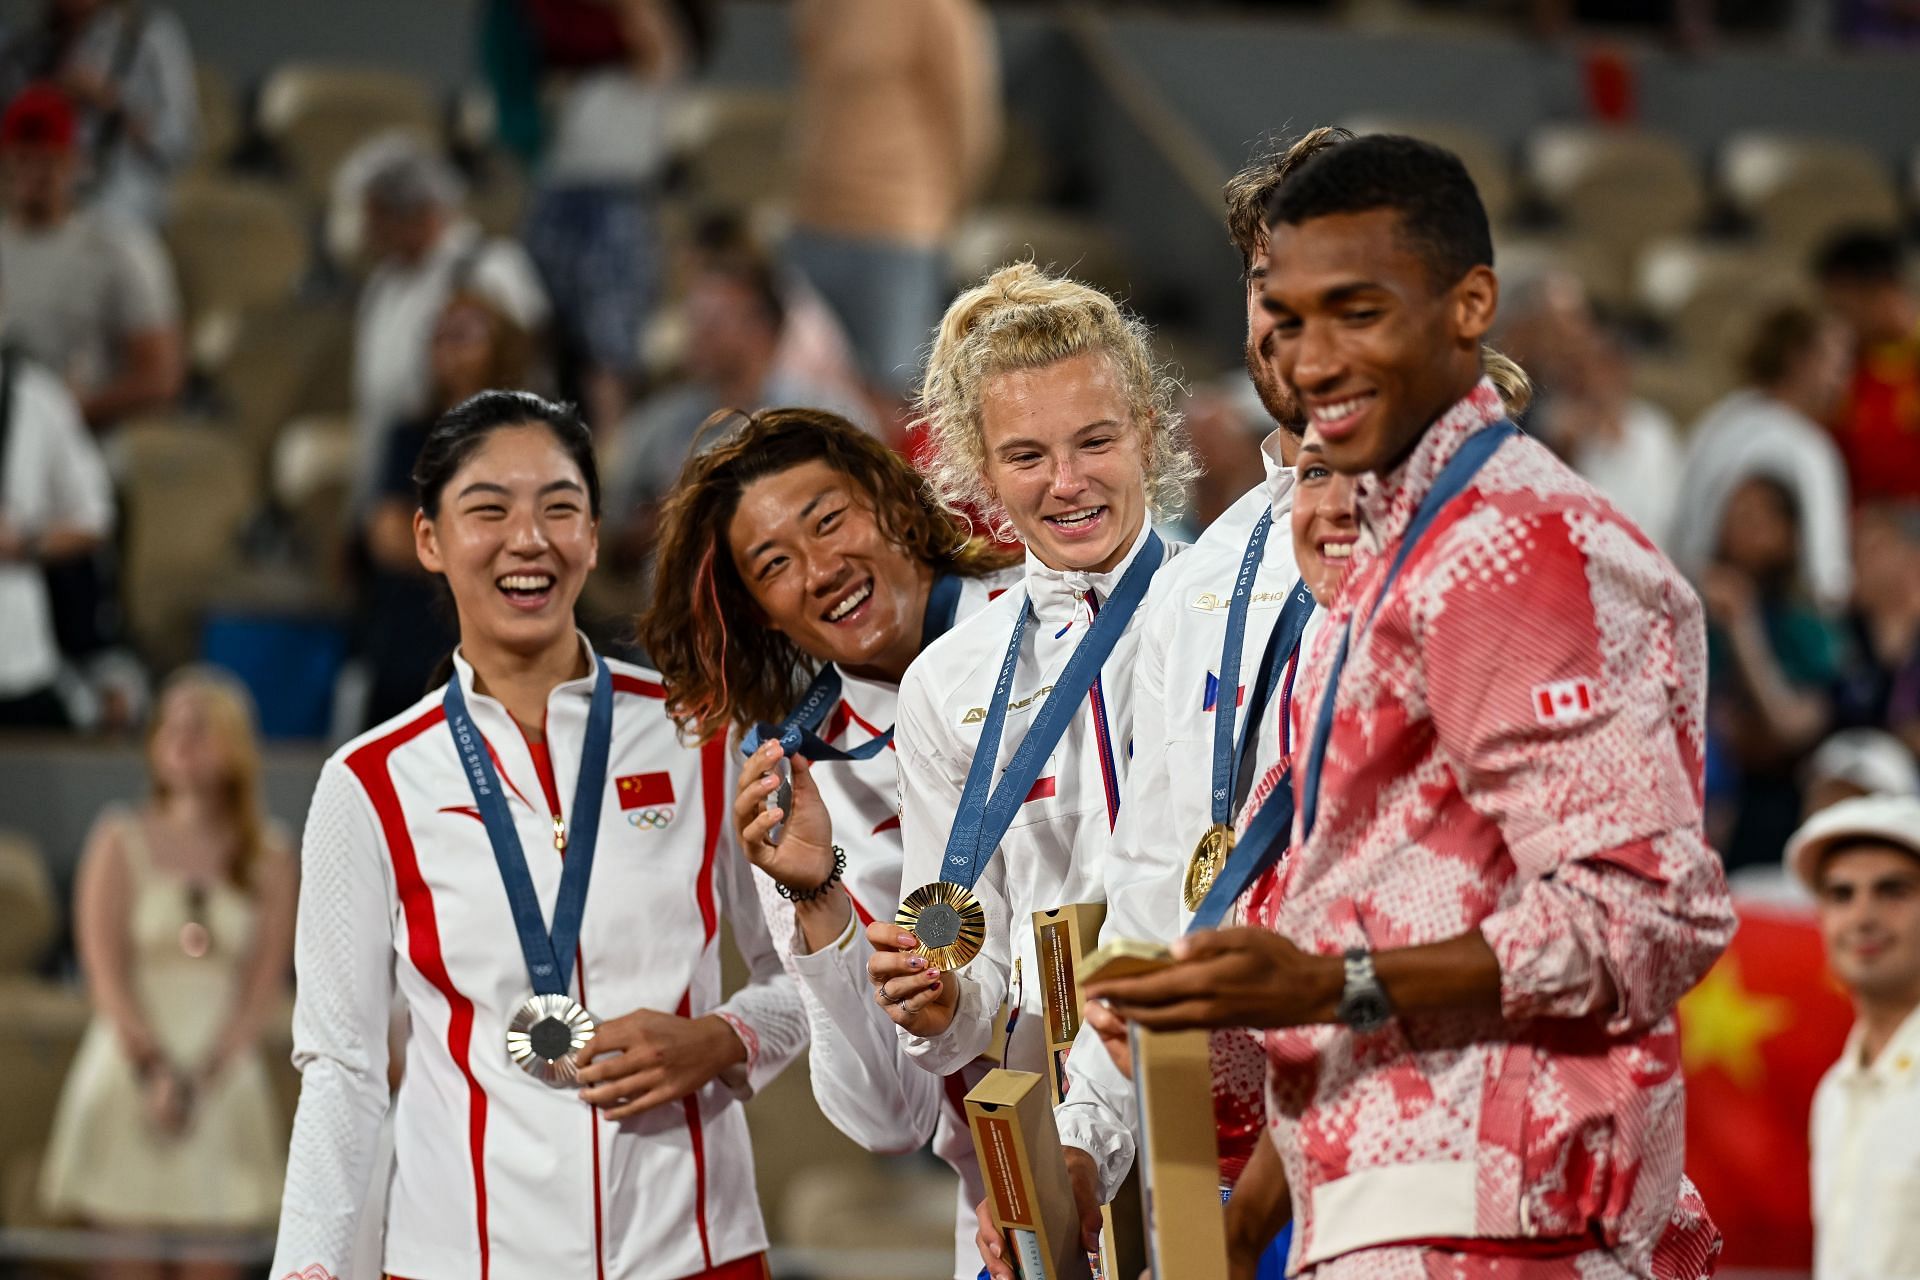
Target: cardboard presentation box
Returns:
[[1179, 1155], [1062, 938], [1010, 1114]]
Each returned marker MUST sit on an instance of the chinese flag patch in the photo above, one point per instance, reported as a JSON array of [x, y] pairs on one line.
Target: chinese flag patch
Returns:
[[644, 790], [1560, 701]]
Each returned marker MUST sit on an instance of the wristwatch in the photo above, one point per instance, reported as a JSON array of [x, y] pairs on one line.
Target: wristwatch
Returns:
[[1363, 1003]]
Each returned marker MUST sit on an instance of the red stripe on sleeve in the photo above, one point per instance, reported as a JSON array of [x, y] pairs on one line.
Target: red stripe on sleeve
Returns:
[[369, 765]]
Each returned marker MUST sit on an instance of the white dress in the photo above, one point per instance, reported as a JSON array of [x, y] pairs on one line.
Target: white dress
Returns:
[[105, 1160]]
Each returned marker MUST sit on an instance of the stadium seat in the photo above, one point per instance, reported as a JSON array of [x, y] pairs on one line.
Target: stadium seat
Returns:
[[1682, 385], [1797, 190], [1707, 295], [270, 365], [189, 490], [219, 117], [315, 114], [235, 243], [1486, 160], [733, 144], [1623, 187], [994, 236], [312, 472], [1601, 267], [26, 904]]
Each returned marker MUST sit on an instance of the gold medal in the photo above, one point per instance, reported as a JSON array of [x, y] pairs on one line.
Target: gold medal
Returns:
[[1208, 861], [948, 920]]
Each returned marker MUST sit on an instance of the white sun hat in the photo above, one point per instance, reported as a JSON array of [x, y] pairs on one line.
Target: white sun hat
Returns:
[[1892, 819]]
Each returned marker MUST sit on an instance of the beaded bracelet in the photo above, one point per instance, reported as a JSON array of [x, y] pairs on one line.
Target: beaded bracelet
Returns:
[[839, 869]]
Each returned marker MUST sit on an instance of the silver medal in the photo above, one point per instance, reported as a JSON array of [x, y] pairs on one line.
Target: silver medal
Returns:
[[546, 1036], [781, 798]]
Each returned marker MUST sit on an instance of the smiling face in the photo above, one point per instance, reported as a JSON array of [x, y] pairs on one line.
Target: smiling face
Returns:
[[1370, 343], [1262, 370], [1067, 461], [1324, 528], [808, 547], [515, 539], [1870, 918]]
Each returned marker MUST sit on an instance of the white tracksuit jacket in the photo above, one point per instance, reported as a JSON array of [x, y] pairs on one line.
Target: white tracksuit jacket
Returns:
[[1057, 849], [496, 1174], [861, 1078], [1183, 625]]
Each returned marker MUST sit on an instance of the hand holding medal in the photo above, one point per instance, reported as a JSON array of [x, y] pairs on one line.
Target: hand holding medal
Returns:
[[917, 993], [802, 859]]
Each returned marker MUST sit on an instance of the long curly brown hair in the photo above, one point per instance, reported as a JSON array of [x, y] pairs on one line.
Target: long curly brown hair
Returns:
[[723, 667]]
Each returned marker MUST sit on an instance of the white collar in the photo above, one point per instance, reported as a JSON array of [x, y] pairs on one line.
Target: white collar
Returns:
[[1900, 1057], [579, 687], [1281, 478], [1059, 595]]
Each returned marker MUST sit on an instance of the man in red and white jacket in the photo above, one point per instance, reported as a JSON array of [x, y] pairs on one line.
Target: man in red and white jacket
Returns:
[[1498, 886], [497, 1174]]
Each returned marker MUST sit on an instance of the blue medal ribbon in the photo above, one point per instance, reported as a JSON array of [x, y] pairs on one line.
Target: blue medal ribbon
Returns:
[[1233, 770], [1448, 485], [549, 955], [799, 733], [986, 810]]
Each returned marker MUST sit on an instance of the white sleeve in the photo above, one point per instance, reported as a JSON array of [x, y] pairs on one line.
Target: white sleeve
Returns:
[[929, 799], [861, 1076], [1099, 1115], [1824, 516], [506, 274], [147, 297], [79, 488], [765, 1013], [343, 961], [161, 87]]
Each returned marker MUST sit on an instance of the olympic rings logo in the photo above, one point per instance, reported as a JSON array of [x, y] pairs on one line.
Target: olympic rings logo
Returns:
[[649, 819]]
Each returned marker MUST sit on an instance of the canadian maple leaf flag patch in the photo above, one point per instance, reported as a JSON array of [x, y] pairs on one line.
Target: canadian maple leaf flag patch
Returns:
[[1560, 701]]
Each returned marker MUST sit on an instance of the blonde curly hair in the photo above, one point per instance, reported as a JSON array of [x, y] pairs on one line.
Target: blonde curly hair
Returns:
[[1022, 317]]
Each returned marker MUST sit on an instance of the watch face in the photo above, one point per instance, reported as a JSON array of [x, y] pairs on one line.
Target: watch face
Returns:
[[1366, 1011]]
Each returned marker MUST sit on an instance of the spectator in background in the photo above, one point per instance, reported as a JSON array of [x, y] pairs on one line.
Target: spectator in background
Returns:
[[897, 120], [128, 67], [88, 294], [613, 68], [1796, 370], [1862, 276], [406, 626], [1881, 688], [183, 914], [56, 507], [735, 315], [1861, 858], [425, 250], [1772, 658], [1858, 762], [1584, 408]]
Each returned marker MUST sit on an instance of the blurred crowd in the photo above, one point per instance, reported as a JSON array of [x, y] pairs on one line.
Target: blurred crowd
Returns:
[[1792, 502]]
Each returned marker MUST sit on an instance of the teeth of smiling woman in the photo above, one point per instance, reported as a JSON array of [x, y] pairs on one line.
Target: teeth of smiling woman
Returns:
[[1337, 550], [1077, 517], [525, 582], [851, 603], [1335, 412]]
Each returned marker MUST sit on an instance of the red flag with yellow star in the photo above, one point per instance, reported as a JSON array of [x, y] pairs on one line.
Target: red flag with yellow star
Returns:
[[1755, 1037]]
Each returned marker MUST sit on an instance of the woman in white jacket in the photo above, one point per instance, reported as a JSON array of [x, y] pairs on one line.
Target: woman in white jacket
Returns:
[[1047, 415], [525, 844], [816, 568]]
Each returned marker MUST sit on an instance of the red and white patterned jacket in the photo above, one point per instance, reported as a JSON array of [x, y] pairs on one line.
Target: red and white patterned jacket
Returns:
[[1516, 748]]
